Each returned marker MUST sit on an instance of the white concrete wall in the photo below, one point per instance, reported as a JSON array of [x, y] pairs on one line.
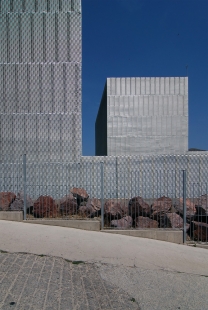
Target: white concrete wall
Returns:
[[147, 115]]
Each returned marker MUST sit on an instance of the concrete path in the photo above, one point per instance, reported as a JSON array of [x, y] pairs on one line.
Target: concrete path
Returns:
[[142, 273]]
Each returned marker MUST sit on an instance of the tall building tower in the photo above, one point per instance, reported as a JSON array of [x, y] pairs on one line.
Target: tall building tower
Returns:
[[40, 79], [143, 116]]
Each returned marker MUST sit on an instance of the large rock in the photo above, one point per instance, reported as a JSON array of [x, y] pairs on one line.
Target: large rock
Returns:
[[68, 205], [79, 194], [18, 203], [201, 209], [6, 199], [45, 206], [90, 208], [190, 208], [115, 209], [86, 211], [146, 222], [124, 223], [162, 205], [199, 231], [176, 221], [137, 206], [94, 203]]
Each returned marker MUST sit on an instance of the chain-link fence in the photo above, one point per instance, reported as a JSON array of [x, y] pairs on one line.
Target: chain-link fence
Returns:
[[124, 193]]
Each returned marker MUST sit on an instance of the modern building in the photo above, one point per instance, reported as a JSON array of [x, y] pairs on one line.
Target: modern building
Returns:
[[143, 115], [40, 79]]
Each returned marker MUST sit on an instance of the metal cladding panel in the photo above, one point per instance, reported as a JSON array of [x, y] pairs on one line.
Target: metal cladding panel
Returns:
[[133, 86], [5, 6], [38, 38], [10, 89], [13, 38], [157, 86], [31, 133], [29, 6], [152, 85], [26, 37], [63, 37], [17, 5], [75, 37], [59, 88], [66, 5], [47, 93], [128, 86], [147, 86], [177, 86], [167, 86], [162, 86], [22, 88], [51, 37], [42, 6], [172, 86], [182, 86], [73, 87], [138, 86], [143, 88], [54, 5], [35, 88], [3, 38], [55, 137], [2, 87], [43, 136]]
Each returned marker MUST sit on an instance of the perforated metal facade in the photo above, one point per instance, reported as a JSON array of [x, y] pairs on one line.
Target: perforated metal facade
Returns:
[[40, 79], [143, 116]]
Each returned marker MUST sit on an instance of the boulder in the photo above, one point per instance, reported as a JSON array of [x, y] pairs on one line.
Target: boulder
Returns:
[[137, 206], [201, 214], [190, 208], [90, 208], [114, 209], [79, 194], [199, 231], [176, 221], [18, 203], [68, 205], [86, 211], [94, 203], [201, 209], [162, 205], [146, 222], [124, 223], [6, 199], [45, 206]]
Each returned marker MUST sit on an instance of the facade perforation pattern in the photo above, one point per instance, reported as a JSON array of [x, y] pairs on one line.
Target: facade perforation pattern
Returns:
[[144, 116], [40, 6], [40, 79]]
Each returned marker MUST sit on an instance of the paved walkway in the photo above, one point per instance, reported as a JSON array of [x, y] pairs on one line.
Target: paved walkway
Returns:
[[29, 281], [94, 270]]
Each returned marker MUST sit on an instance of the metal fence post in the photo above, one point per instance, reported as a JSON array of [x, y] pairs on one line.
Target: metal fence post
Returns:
[[25, 186], [184, 206], [102, 198]]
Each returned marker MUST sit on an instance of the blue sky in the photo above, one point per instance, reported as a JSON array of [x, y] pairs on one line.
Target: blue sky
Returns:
[[128, 38]]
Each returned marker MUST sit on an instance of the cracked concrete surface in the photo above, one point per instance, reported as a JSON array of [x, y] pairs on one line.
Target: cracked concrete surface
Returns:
[[32, 282], [120, 272]]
